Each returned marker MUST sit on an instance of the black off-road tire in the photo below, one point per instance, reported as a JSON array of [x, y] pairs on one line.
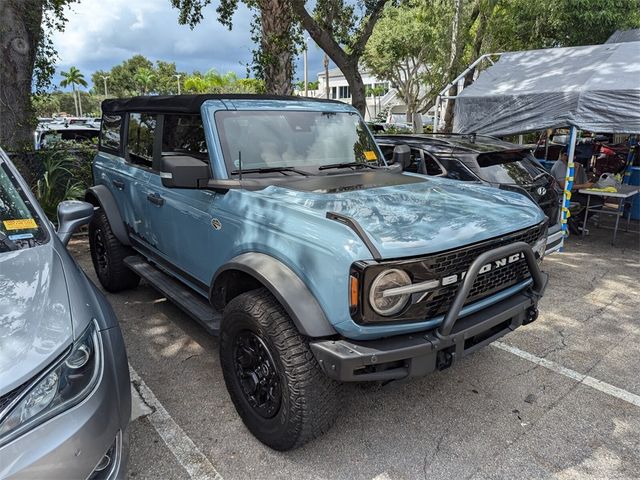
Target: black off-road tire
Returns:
[[108, 254], [309, 400]]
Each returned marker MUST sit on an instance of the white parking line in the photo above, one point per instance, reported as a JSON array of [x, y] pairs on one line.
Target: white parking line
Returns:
[[604, 387], [188, 455]]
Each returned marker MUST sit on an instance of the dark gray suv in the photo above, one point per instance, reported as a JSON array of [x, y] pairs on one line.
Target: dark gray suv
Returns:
[[65, 399]]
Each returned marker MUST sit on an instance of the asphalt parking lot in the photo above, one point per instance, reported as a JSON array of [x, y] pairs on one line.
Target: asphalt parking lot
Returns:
[[559, 398]]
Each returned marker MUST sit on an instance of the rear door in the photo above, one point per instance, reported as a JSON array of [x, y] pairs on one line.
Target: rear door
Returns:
[[114, 168]]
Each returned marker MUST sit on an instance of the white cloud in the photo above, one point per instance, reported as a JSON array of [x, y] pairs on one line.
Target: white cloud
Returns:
[[103, 33]]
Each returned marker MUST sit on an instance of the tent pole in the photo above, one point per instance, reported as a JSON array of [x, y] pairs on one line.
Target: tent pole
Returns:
[[568, 183]]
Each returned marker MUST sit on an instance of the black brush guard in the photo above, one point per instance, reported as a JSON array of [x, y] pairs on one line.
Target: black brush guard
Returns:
[[417, 354]]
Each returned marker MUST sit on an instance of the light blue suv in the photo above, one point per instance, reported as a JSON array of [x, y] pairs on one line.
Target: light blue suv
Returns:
[[277, 224]]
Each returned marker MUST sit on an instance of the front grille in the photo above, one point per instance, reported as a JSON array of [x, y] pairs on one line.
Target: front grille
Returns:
[[7, 398], [486, 284], [452, 262]]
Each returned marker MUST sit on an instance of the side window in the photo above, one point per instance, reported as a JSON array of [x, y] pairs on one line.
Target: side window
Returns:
[[416, 160], [433, 167], [110, 132], [142, 128], [184, 135], [457, 171]]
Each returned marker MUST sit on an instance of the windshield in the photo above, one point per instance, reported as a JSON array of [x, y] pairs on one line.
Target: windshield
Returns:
[[508, 167], [20, 226], [305, 140]]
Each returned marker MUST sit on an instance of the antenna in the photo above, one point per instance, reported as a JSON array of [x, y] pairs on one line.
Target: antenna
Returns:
[[240, 165]]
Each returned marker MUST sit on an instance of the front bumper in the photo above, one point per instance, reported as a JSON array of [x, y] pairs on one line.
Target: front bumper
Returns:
[[71, 444], [554, 238], [418, 354]]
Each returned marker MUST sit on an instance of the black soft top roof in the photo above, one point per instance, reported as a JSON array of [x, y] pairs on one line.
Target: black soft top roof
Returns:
[[186, 103]]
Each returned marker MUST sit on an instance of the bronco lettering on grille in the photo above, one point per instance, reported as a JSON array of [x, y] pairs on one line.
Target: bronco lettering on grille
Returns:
[[451, 279]]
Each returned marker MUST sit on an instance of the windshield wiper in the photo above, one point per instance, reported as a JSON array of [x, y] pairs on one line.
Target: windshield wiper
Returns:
[[346, 165], [271, 169]]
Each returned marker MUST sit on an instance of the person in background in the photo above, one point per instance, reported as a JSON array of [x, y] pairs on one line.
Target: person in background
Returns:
[[559, 171], [580, 181]]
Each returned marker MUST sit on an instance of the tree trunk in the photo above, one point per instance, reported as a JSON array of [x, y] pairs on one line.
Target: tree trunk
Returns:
[[358, 92], [75, 99], [276, 22], [19, 36], [79, 102]]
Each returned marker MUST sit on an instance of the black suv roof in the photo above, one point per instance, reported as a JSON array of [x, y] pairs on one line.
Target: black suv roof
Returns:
[[446, 142], [187, 103]]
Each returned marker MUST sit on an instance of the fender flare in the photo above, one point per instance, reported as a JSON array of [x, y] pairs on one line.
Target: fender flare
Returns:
[[99, 195], [284, 284]]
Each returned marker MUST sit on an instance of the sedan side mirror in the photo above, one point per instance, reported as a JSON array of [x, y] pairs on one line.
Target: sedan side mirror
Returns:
[[402, 156], [72, 214], [183, 171]]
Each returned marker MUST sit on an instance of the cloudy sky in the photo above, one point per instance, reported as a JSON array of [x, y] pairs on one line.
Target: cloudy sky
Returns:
[[103, 33]]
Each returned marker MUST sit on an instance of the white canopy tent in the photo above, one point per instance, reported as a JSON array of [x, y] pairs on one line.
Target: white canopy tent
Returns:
[[595, 88]]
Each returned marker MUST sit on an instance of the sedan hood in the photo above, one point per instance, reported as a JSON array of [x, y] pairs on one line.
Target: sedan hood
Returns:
[[421, 216], [35, 320]]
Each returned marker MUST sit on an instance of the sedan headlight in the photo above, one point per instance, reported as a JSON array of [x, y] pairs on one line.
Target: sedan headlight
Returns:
[[384, 301], [64, 385]]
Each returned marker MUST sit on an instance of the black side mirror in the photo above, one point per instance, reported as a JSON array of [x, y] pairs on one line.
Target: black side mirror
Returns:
[[402, 156], [72, 214], [182, 171]]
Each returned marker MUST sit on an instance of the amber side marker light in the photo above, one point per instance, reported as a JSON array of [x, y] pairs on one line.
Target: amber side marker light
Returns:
[[354, 291]]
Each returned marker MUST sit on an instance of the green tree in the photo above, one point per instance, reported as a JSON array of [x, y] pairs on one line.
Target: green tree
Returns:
[[408, 47], [273, 29], [74, 77], [121, 82], [144, 79], [45, 104], [521, 24], [27, 58]]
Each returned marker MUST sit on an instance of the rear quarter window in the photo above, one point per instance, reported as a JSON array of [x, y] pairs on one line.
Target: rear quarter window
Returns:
[[111, 132]]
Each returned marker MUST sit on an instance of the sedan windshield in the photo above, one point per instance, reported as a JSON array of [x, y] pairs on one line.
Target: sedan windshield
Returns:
[[20, 226], [272, 141]]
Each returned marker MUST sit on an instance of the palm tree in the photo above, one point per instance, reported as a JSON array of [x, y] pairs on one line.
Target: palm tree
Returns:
[[144, 78], [73, 77]]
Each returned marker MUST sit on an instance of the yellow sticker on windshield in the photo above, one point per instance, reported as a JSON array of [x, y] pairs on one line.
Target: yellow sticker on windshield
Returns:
[[20, 224], [370, 155]]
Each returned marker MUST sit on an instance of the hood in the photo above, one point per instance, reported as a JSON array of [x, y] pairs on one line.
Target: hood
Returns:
[[422, 216], [35, 320]]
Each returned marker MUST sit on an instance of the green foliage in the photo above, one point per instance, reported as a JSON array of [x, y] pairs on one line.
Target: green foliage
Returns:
[[137, 74], [410, 48], [214, 82], [522, 24], [65, 176], [144, 79], [72, 78]]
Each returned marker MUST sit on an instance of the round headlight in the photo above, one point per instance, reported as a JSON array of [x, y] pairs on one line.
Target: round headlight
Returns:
[[389, 303]]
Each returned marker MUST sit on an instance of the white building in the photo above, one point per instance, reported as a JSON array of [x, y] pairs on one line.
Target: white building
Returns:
[[385, 98]]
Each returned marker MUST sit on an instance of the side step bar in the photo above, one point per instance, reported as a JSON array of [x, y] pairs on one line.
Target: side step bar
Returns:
[[188, 301]]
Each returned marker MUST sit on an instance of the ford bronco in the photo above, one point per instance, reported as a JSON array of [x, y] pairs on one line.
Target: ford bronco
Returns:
[[276, 223]]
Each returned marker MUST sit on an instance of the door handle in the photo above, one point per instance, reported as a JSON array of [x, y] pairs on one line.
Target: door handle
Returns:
[[118, 184], [155, 199]]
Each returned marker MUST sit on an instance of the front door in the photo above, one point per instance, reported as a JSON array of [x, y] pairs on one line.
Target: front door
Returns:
[[180, 226]]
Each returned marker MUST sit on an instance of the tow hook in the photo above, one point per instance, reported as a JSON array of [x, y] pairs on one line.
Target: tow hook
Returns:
[[532, 315], [444, 358]]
